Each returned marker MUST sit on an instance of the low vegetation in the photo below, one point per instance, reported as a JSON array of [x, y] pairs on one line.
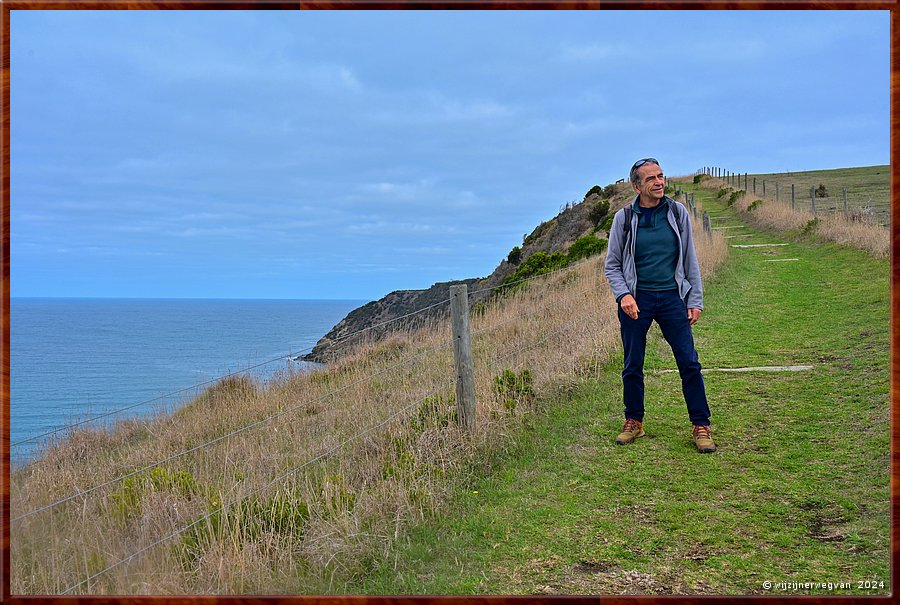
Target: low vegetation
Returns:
[[541, 262], [797, 497], [313, 483], [857, 228], [302, 484], [867, 187]]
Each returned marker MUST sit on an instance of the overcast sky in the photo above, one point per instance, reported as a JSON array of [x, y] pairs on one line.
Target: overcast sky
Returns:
[[348, 154]]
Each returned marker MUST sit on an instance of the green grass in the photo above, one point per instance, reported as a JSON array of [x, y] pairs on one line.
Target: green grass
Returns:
[[868, 186], [798, 491]]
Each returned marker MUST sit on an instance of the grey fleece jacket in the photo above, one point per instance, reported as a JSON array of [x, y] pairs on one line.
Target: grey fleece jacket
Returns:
[[620, 270]]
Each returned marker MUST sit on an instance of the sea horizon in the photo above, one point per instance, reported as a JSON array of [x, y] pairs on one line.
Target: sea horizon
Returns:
[[74, 358]]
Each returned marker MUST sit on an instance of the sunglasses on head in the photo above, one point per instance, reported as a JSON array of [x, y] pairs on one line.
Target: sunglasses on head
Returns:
[[640, 163]]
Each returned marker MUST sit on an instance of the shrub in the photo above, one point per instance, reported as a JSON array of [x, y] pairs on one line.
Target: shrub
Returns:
[[586, 246], [609, 190], [540, 263], [810, 227], [515, 255], [284, 514], [127, 500], [513, 388], [607, 222], [698, 178], [595, 190], [721, 193], [437, 411], [598, 211], [536, 264], [734, 196], [753, 206], [821, 191]]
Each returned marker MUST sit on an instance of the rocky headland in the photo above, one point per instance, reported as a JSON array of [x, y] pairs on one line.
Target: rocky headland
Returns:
[[375, 320]]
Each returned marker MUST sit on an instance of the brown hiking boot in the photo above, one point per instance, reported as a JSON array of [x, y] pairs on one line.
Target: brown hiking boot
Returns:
[[631, 431], [703, 439]]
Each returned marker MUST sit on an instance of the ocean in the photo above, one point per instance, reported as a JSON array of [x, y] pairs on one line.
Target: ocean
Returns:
[[73, 359]]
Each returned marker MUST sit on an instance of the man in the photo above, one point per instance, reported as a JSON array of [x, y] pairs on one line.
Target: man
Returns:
[[651, 266]]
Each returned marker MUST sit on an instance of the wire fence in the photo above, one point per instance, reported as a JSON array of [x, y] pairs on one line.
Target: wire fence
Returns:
[[243, 497], [536, 329], [857, 193], [196, 388]]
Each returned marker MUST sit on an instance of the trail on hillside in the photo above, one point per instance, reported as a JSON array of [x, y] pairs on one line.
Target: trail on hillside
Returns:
[[798, 493]]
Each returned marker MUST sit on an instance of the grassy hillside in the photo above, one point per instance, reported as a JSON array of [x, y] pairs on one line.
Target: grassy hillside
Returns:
[[300, 484], [798, 491], [357, 479], [867, 187]]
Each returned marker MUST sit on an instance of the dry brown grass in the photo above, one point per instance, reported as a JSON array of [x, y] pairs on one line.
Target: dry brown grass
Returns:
[[292, 485], [859, 229]]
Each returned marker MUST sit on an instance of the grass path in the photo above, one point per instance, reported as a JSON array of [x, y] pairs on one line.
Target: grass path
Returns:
[[798, 491]]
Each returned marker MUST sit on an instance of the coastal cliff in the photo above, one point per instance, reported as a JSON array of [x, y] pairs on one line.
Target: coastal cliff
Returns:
[[375, 320]]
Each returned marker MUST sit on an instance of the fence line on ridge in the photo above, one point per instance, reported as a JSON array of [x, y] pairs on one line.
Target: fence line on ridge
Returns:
[[861, 206]]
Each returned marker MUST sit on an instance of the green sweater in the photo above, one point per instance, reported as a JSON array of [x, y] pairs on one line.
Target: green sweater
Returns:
[[656, 249]]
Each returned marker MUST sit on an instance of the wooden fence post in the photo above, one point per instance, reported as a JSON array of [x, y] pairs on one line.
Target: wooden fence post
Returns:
[[846, 211], [792, 196], [754, 185], [462, 356], [764, 187], [777, 191], [706, 223], [812, 199]]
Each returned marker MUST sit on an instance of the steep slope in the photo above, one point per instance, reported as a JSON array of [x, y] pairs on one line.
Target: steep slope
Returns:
[[367, 323]]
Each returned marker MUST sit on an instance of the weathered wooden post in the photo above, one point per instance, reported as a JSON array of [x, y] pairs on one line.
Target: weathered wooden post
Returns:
[[706, 223], [812, 199], [462, 356], [754, 185], [792, 196], [777, 191], [846, 211], [764, 187]]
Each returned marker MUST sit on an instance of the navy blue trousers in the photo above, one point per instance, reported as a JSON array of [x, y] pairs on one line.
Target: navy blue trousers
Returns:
[[670, 312]]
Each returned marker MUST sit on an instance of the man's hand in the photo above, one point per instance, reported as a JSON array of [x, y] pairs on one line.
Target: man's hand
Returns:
[[694, 315], [629, 306]]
